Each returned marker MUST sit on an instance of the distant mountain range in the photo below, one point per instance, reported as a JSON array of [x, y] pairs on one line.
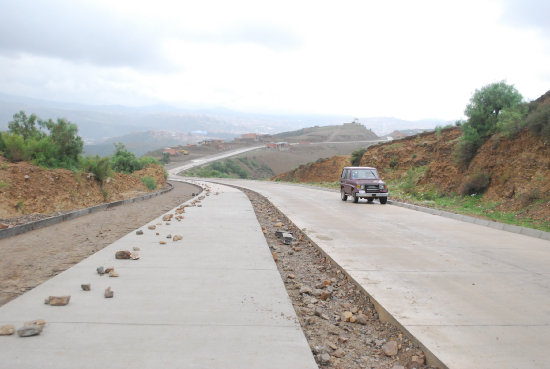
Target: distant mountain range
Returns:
[[101, 126]]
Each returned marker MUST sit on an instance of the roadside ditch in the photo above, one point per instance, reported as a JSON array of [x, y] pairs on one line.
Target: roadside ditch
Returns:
[[339, 320]]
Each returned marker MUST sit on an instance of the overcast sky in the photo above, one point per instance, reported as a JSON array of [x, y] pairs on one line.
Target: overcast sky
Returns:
[[406, 59]]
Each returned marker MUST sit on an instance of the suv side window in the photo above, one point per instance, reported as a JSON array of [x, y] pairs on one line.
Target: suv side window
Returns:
[[343, 176]]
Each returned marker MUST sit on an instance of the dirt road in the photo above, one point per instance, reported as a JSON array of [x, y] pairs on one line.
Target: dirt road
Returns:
[[32, 258]]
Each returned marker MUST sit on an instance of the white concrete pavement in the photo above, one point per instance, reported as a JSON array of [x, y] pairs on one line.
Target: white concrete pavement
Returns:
[[210, 158], [212, 300], [474, 296]]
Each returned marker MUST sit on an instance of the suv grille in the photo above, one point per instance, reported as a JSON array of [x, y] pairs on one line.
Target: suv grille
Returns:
[[371, 188]]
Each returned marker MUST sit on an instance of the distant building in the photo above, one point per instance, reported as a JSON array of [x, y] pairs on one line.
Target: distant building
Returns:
[[281, 146]]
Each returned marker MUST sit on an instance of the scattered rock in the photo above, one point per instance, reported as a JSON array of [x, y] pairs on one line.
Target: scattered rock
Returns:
[[167, 217], [162, 242], [291, 276], [339, 353], [324, 358], [7, 330], [4, 226], [390, 348], [100, 270], [177, 237], [136, 248], [57, 300], [416, 362], [151, 227], [134, 256], [325, 295], [86, 287], [361, 319], [40, 322], [123, 254], [346, 316], [112, 273], [27, 177], [29, 330], [305, 290], [275, 256], [169, 236], [108, 293], [139, 232], [278, 224], [109, 270]]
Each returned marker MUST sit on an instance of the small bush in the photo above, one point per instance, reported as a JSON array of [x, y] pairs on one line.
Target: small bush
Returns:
[[393, 163], [476, 184], [149, 182], [356, 157], [538, 121], [147, 161], [100, 167], [15, 148]]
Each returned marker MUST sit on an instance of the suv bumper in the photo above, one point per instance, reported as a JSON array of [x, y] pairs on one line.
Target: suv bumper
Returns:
[[374, 195]]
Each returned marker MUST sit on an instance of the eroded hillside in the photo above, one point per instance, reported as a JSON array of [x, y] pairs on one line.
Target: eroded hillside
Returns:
[[26, 188]]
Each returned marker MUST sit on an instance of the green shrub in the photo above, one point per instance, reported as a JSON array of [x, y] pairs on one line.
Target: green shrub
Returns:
[[100, 167], [149, 182], [147, 161], [538, 121], [124, 161], [476, 184], [356, 157], [511, 121], [393, 163], [15, 148], [165, 158]]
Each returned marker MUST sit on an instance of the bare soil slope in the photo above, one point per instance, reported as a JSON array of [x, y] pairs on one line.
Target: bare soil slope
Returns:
[[323, 170], [26, 189]]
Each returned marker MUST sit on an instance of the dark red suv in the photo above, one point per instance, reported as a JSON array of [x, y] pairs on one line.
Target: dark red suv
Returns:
[[362, 182]]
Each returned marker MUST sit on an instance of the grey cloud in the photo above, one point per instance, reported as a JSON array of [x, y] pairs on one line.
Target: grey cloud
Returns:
[[75, 31], [528, 14], [270, 36]]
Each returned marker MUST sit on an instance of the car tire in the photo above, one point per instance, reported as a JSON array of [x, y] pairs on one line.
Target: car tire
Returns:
[[355, 198], [343, 195], [383, 200]]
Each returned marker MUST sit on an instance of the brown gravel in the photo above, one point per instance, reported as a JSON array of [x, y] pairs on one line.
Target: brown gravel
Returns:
[[321, 293], [32, 258]]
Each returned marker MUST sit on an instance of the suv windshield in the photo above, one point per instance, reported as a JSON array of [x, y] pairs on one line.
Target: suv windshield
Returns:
[[364, 174]]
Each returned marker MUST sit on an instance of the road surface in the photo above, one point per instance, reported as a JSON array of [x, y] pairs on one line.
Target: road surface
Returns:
[[474, 296]]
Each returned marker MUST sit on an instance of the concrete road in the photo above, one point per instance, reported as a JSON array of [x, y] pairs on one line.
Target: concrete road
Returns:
[[476, 297], [212, 300], [211, 158]]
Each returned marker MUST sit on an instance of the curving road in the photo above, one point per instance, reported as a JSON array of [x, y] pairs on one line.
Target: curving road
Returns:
[[474, 296]]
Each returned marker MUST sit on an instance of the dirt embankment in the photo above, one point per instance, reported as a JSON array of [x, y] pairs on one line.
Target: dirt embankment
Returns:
[[323, 170], [517, 169], [27, 189]]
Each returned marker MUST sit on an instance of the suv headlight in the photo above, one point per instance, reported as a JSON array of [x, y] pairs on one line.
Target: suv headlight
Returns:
[[382, 186]]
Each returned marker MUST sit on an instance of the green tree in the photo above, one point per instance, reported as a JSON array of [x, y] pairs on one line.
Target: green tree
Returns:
[[486, 105], [25, 126], [123, 160], [63, 134], [483, 112]]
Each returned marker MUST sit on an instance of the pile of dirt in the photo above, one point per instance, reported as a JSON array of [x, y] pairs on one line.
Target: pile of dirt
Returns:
[[323, 170], [28, 189]]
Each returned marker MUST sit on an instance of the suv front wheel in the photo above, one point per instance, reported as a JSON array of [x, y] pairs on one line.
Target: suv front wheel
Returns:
[[383, 200], [343, 195]]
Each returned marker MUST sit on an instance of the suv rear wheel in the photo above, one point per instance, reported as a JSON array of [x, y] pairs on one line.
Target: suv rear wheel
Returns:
[[355, 198], [343, 195]]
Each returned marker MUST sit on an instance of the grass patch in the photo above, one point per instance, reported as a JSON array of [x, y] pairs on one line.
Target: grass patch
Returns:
[[466, 205], [149, 182], [4, 184]]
